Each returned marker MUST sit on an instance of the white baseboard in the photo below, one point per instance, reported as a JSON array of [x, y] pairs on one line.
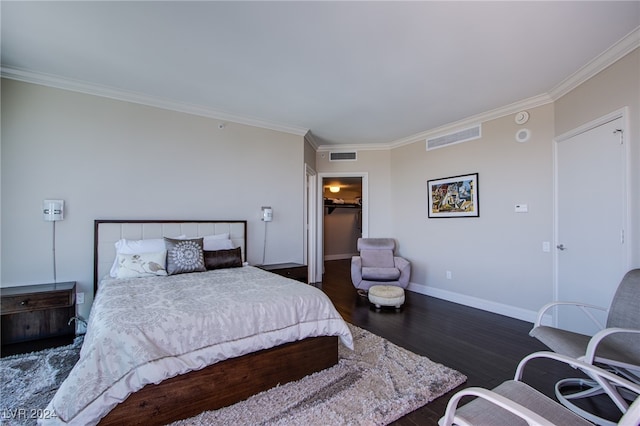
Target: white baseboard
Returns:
[[475, 302]]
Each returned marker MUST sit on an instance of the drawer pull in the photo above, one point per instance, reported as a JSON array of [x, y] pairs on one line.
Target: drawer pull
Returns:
[[25, 302]]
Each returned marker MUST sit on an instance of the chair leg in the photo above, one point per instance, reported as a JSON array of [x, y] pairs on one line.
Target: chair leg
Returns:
[[593, 389]]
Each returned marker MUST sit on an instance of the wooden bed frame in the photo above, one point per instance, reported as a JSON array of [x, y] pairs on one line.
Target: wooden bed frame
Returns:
[[220, 384]]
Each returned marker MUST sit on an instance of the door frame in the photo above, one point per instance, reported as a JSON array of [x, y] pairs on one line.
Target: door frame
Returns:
[[320, 211], [310, 229], [622, 113]]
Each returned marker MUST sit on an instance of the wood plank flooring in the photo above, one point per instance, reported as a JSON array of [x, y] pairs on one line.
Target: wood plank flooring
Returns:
[[486, 347]]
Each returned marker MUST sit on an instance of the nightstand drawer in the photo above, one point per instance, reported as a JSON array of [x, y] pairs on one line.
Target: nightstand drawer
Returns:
[[34, 302], [294, 271]]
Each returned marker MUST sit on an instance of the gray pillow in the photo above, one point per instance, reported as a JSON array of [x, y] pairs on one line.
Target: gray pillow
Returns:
[[184, 255]]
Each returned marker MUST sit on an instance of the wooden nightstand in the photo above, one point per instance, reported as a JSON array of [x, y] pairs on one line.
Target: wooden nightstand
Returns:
[[36, 312], [294, 271]]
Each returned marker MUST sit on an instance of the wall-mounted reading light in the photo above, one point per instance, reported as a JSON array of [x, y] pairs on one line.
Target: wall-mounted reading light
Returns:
[[334, 189], [267, 216], [53, 211]]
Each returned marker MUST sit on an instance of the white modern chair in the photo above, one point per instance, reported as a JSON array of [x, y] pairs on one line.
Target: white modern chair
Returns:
[[514, 403], [616, 347]]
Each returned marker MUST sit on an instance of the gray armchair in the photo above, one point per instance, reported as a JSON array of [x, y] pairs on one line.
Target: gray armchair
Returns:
[[377, 265], [616, 347]]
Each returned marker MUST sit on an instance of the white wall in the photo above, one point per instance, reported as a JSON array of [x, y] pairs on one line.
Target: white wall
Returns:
[[116, 160], [496, 258]]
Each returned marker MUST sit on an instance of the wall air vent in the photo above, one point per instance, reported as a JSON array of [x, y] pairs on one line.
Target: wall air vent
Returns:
[[343, 156], [465, 135]]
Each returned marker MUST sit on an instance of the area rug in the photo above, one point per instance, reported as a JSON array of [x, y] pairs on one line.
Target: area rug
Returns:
[[375, 384], [29, 381]]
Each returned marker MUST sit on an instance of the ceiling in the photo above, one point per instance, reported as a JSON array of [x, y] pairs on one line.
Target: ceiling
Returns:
[[352, 73]]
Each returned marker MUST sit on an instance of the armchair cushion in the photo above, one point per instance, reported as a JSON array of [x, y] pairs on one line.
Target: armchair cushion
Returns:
[[377, 258], [380, 274]]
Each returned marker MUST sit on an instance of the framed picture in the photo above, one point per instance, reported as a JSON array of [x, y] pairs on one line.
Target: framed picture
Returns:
[[455, 196]]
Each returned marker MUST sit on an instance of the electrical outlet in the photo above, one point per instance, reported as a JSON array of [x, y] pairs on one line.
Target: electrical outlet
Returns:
[[448, 275], [79, 298]]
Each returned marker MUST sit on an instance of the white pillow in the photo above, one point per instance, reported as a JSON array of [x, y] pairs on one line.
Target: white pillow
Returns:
[[124, 246], [213, 245], [217, 242], [141, 264]]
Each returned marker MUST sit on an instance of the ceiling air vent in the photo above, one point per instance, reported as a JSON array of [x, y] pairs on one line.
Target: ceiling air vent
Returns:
[[343, 156], [452, 138]]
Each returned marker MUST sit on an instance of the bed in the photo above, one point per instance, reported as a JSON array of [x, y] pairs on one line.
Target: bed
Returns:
[[166, 345]]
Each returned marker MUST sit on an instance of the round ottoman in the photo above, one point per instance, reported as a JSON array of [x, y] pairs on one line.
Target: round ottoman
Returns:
[[386, 295]]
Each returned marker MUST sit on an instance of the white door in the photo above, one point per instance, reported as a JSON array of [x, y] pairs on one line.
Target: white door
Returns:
[[591, 218]]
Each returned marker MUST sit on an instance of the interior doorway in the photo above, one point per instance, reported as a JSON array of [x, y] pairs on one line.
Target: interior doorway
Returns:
[[342, 216]]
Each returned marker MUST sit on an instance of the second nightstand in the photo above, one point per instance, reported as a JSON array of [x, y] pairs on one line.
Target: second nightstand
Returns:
[[294, 271]]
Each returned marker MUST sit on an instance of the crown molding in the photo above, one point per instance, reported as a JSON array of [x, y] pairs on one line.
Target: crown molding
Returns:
[[311, 140], [138, 98], [474, 120], [623, 47], [616, 52]]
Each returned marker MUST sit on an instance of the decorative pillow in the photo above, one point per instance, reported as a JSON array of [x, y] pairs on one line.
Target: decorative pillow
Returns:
[[217, 242], [184, 255], [220, 259], [124, 246], [141, 265]]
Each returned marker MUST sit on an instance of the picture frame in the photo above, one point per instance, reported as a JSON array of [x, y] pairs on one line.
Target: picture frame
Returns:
[[455, 196]]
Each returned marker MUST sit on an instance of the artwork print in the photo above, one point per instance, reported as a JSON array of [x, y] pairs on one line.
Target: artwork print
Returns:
[[455, 196]]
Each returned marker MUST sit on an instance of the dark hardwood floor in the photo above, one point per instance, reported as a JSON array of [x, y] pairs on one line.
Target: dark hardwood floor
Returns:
[[486, 347]]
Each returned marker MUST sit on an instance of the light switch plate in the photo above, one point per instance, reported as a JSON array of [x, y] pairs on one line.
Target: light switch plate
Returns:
[[521, 208]]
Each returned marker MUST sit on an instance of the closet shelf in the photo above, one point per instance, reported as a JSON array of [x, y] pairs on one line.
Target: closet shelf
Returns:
[[333, 206]]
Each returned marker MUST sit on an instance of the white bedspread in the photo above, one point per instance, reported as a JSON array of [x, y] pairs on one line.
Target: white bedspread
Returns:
[[145, 330]]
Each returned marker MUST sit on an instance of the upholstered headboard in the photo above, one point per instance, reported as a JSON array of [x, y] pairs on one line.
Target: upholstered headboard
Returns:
[[108, 232]]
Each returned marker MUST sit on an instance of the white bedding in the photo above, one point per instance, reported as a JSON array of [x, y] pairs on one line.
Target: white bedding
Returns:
[[145, 330]]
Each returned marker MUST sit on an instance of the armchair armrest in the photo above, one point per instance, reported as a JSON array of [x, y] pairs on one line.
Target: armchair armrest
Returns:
[[592, 347], [524, 413], [404, 266], [356, 270], [583, 306]]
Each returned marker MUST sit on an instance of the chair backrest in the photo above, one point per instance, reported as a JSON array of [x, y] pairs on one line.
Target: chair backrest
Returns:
[[624, 311], [377, 252]]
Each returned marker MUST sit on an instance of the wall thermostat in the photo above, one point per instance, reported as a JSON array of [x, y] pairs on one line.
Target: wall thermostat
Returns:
[[521, 117]]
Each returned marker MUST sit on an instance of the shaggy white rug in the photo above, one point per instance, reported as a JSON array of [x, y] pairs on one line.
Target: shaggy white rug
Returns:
[[375, 384]]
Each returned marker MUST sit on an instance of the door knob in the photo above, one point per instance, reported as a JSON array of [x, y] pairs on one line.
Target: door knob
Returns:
[[561, 247]]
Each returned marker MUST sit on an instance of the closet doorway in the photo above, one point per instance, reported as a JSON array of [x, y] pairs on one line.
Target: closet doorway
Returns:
[[342, 216]]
